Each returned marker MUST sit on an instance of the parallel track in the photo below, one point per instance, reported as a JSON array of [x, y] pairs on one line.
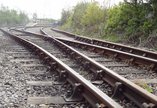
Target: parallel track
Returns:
[[111, 45], [150, 63], [147, 62], [130, 88], [21, 68], [80, 91]]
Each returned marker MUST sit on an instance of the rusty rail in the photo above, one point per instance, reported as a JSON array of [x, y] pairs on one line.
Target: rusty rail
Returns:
[[92, 94], [111, 45], [144, 62], [137, 60], [122, 86]]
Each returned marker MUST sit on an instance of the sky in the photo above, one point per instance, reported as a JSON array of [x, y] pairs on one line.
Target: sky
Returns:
[[47, 8]]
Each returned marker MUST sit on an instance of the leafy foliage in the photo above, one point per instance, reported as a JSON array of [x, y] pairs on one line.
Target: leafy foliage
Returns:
[[84, 18], [93, 15], [12, 17], [65, 16], [78, 13], [133, 20]]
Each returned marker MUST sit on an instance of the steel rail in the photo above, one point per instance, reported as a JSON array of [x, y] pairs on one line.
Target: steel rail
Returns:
[[144, 62], [88, 90], [111, 45], [147, 63], [121, 85], [36, 26]]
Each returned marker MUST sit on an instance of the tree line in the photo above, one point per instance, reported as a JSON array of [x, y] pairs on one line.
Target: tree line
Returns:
[[134, 21], [11, 17]]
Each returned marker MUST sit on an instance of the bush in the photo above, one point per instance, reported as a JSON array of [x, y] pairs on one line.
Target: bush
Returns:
[[135, 20], [12, 17]]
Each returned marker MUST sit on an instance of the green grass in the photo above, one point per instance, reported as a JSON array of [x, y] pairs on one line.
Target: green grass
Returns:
[[112, 38]]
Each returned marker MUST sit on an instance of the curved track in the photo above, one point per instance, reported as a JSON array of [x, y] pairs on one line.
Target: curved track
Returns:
[[74, 90], [129, 87], [111, 45]]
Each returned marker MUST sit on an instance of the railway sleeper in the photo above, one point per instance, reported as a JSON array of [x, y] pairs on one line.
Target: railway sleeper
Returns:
[[150, 65], [119, 88], [119, 85], [117, 46], [97, 102], [126, 90]]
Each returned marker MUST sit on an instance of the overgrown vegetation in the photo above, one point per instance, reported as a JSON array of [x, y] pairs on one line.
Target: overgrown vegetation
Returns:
[[133, 21], [84, 18], [12, 17]]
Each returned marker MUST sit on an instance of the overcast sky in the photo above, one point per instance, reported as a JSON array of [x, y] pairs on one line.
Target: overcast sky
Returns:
[[46, 8]]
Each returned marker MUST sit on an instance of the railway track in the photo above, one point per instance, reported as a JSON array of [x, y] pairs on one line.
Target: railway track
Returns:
[[69, 89], [111, 45], [19, 67], [140, 61], [33, 29], [129, 89], [137, 71], [117, 49]]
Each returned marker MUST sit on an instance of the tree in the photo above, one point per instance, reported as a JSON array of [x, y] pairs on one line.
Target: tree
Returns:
[[65, 16], [93, 15], [78, 13], [11, 17]]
